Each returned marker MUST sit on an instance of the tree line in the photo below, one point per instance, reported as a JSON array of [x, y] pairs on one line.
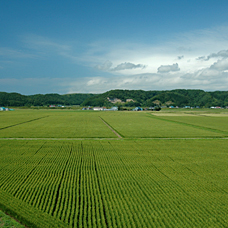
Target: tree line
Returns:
[[177, 97], [16, 99]]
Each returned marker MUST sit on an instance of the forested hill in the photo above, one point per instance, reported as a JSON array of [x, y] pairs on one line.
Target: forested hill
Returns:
[[132, 98], [16, 99], [178, 97]]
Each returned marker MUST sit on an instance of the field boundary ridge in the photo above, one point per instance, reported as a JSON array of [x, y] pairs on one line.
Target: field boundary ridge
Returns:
[[23, 122], [110, 127]]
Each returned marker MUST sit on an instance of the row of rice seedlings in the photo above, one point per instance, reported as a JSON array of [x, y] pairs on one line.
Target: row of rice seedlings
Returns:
[[200, 188], [86, 203], [75, 186], [20, 174], [68, 208], [199, 185], [88, 158], [27, 214], [106, 209], [66, 190], [39, 173], [67, 185], [32, 170], [179, 190], [84, 196], [48, 186], [36, 187], [60, 167], [12, 168], [146, 190], [9, 153], [51, 178], [86, 208], [201, 206], [118, 190], [100, 214], [140, 194], [116, 184], [97, 217], [45, 180]]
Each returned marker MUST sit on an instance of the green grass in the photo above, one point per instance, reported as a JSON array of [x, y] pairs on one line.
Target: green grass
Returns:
[[7, 222]]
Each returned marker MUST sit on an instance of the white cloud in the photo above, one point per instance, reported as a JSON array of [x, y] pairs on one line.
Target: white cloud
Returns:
[[105, 66], [223, 54], [96, 81], [127, 66], [188, 72], [102, 84], [220, 65], [208, 74], [121, 64], [181, 48], [120, 57], [206, 79], [168, 68]]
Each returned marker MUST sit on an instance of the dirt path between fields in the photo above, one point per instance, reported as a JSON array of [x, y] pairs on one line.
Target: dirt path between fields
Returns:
[[119, 136]]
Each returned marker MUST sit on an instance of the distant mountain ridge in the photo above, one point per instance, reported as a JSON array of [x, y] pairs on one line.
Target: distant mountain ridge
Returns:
[[131, 98]]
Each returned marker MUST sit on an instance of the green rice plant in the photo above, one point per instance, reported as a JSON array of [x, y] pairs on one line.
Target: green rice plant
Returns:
[[211, 123], [144, 125], [115, 183], [59, 125], [19, 117]]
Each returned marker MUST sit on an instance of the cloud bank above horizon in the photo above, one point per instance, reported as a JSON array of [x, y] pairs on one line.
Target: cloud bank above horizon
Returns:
[[38, 62], [192, 61]]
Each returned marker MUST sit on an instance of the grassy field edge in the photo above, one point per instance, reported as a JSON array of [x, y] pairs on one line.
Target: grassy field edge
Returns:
[[27, 215], [9, 221]]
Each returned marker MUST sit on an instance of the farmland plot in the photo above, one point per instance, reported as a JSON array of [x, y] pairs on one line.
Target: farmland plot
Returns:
[[127, 183], [212, 123], [132, 182], [58, 125], [144, 125], [10, 119]]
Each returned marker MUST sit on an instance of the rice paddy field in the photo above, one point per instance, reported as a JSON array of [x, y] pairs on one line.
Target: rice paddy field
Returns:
[[64, 168]]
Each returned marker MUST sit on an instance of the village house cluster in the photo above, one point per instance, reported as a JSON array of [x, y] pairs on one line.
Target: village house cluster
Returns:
[[101, 108]]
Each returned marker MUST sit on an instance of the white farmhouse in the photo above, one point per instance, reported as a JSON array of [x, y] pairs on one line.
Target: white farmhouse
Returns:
[[98, 109]]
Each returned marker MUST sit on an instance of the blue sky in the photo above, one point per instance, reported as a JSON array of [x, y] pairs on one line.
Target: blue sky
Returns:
[[95, 46]]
